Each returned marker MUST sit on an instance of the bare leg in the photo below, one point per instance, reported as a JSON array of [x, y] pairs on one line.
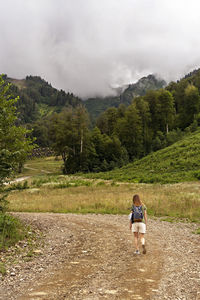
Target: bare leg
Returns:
[[136, 240], [143, 242]]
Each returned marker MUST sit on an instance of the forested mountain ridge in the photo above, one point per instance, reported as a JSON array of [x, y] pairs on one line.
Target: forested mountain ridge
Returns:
[[96, 106], [38, 98], [120, 134]]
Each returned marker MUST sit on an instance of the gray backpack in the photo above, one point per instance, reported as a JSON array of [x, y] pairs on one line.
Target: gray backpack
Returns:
[[137, 214]]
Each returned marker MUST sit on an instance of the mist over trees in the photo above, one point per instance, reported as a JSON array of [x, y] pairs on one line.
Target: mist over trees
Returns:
[[120, 134]]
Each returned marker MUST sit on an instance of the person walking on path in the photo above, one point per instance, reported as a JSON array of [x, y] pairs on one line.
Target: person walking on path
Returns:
[[138, 223]]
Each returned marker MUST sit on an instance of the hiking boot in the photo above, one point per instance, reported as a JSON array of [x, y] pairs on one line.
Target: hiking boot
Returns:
[[144, 249], [137, 252]]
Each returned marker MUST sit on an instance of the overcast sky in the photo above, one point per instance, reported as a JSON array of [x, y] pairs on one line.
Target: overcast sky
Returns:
[[89, 46]]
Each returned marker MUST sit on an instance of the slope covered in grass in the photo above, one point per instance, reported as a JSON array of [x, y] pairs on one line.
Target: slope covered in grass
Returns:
[[176, 163]]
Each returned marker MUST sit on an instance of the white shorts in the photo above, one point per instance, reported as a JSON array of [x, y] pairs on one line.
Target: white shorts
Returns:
[[139, 227]]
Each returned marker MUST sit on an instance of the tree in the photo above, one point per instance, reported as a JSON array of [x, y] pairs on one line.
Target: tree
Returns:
[[107, 121], [78, 159], [167, 110], [109, 152], [151, 98], [191, 104], [61, 133], [129, 131], [70, 138], [40, 132], [145, 115], [14, 143]]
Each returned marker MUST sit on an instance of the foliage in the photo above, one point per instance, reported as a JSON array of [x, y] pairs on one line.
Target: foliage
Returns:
[[80, 149], [96, 106], [14, 143], [17, 186], [150, 123], [176, 163], [11, 230], [146, 123], [69, 136], [38, 98], [14, 149]]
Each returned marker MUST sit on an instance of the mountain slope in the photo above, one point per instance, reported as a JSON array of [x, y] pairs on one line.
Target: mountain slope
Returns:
[[177, 163], [141, 87], [96, 106], [39, 98]]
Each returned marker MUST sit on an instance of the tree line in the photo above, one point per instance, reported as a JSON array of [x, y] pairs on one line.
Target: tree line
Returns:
[[121, 135]]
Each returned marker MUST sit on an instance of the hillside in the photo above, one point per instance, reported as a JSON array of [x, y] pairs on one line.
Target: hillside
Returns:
[[38, 98], [96, 106], [177, 163]]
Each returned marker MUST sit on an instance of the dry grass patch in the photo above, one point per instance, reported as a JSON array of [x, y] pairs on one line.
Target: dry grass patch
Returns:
[[176, 200]]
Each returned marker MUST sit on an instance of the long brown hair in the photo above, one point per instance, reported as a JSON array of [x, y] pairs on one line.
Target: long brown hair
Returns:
[[136, 200]]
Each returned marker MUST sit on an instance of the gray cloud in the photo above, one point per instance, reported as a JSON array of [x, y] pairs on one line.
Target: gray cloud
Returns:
[[88, 46]]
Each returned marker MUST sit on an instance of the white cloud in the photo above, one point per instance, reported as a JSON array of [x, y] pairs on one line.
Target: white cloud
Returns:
[[87, 46]]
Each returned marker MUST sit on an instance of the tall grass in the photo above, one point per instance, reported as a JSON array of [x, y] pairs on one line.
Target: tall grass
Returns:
[[178, 200], [53, 192]]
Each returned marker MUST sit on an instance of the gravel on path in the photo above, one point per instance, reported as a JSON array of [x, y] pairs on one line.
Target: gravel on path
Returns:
[[92, 257]]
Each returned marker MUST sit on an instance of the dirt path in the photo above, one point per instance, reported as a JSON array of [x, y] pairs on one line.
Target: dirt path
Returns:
[[17, 180], [91, 257]]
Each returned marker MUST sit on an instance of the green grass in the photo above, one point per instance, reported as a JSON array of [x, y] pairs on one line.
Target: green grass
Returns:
[[41, 166], [198, 231], [179, 162], [2, 269]]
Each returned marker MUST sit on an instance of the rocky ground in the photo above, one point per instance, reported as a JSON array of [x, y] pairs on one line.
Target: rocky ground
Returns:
[[92, 257]]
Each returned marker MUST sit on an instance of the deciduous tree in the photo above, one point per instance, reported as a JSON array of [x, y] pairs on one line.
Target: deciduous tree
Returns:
[[14, 143]]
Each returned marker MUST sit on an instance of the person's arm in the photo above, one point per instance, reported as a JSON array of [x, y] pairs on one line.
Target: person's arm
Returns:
[[130, 224], [145, 217], [130, 219]]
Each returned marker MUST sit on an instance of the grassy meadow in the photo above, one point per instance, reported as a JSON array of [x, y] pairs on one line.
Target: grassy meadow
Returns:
[[42, 166], [54, 192]]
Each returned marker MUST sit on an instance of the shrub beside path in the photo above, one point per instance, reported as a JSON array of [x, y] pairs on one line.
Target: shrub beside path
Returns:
[[92, 257]]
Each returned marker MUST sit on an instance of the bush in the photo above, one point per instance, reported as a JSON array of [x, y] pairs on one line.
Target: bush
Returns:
[[11, 230], [197, 175], [18, 186]]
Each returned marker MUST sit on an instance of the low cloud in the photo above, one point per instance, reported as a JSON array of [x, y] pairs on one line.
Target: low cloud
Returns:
[[89, 46]]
